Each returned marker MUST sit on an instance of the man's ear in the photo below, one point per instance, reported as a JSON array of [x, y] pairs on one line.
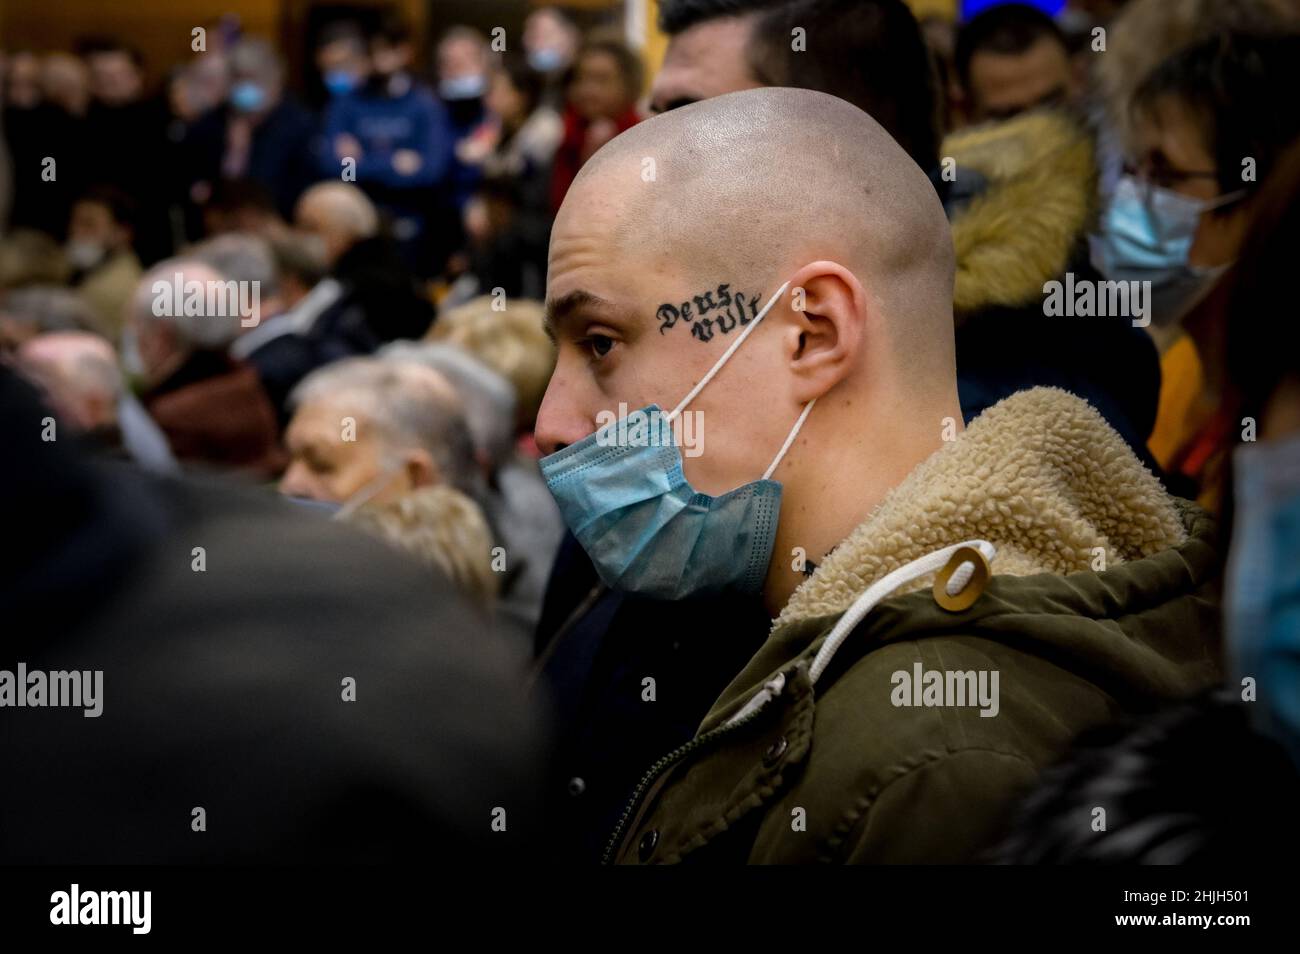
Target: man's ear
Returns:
[[828, 311], [421, 469]]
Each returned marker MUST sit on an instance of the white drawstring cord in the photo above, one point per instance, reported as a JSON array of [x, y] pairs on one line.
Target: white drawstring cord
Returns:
[[864, 604]]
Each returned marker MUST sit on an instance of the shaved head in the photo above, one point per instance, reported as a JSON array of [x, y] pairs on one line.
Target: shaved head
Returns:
[[756, 183], [678, 232]]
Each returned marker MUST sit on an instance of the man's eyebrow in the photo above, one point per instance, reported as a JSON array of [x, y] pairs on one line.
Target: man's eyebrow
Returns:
[[566, 307]]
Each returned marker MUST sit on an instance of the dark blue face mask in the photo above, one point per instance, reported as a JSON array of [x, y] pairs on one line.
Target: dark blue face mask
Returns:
[[1262, 591], [623, 493]]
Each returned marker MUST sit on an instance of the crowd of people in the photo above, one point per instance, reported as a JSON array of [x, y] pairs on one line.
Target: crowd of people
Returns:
[[1017, 377]]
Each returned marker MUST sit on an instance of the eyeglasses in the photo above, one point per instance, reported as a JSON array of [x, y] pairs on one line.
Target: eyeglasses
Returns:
[[1172, 178]]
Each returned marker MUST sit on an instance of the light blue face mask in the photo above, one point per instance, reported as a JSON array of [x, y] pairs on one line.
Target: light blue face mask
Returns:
[[341, 82], [624, 495], [457, 88], [1146, 235], [247, 96], [545, 59], [1262, 589]]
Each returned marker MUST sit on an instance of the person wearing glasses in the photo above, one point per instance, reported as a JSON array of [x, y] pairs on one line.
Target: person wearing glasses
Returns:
[[1208, 125]]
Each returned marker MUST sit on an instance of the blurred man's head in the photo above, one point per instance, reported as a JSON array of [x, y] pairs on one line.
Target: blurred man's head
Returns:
[[375, 429], [550, 40], [101, 224], [463, 59], [342, 57], [78, 374], [1009, 59], [22, 82], [606, 78], [65, 81], [36, 310], [390, 48], [338, 215], [256, 77], [116, 71], [868, 52], [160, 340]]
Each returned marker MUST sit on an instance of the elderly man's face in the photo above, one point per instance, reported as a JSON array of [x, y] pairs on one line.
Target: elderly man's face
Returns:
[[704, 61], [326, 464]]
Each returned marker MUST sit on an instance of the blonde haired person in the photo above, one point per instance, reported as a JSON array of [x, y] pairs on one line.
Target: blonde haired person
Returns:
[[444, 529], [511, 341]]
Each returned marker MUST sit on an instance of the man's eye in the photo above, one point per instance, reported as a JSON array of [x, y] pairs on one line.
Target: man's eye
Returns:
[[599, 345]]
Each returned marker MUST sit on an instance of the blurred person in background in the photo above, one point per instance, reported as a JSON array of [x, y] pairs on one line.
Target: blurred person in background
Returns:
[[463, 64], [515, 498], [65, 83], [105, 268], [211, 407], [367, 430], [1207, 129], [602, 98], [513, 342], [122, 111], [442, 528], [258, 133], [551, 40], [243, 205], [78, 375], [100, 566], [398, 138], [342, 58], [1008, 59], [1216, 781], [35, 309], [37, 128]]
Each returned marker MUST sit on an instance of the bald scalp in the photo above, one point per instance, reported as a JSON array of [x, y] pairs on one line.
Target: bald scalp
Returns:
[[758, 183]]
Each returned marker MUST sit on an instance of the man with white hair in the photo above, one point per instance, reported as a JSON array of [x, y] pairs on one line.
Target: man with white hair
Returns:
[[211, 407], [370, 430], [516, 501], [77, 372]]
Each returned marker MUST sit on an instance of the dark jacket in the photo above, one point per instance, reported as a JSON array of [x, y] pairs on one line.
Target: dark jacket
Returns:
[[1101, 603], [223, 687], [596, 647]]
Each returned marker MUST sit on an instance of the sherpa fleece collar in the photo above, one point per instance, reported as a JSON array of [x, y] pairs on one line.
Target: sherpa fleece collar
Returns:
[[1040, 475]]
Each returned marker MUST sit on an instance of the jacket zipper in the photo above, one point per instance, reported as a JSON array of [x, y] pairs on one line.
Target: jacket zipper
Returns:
[[673, 757]]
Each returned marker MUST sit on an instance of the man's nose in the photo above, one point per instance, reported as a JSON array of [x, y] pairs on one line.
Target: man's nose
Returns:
[[560, 421]]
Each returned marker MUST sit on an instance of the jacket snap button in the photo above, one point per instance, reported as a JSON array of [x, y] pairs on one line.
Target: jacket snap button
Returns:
[[648, 842], [775, 750], [577, 786]]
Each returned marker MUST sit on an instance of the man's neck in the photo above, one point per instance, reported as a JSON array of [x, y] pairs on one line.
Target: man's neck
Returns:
[[835, 486]]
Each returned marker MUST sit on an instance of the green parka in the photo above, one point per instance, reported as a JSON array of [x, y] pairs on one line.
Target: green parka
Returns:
[[1101, 603]]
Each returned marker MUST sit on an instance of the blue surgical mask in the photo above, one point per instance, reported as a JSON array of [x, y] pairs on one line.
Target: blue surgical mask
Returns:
[[1262, 588], [545, 59], [623, 493], [456, 88], [340, 82], [247, 96], [1146, 234]]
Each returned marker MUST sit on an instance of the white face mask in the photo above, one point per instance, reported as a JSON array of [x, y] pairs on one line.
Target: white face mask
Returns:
[[85, 253]]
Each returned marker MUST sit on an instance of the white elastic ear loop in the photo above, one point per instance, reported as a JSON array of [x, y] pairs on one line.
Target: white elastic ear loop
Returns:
[[727, 354], [794, 432]]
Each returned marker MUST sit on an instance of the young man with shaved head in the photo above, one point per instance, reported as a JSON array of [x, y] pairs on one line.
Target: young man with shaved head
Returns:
[[755, 395]]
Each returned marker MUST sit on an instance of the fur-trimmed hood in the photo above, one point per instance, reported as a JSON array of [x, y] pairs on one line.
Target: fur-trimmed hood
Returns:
[[1040, 475], [1037, 199]]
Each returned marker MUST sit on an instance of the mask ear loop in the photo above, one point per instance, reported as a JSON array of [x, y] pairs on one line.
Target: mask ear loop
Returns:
[[794, 432], [726, 354]]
